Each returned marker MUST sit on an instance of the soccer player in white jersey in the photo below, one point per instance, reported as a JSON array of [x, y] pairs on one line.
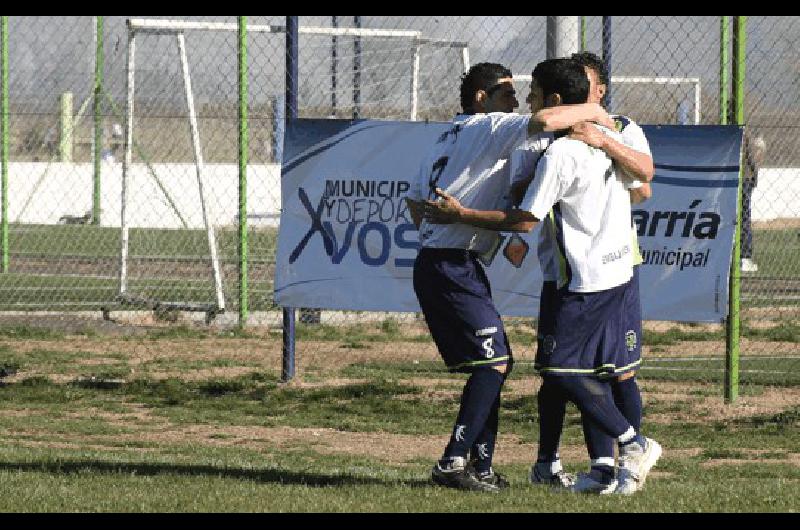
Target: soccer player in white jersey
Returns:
[[636, 161], [632, 155], [591, 215], [470, 161]]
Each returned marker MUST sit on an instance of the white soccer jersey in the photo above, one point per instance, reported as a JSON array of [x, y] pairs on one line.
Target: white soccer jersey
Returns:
[[633, 136], [470, 162], [523, 164], [525, 157], [591, 218], [630, 135]]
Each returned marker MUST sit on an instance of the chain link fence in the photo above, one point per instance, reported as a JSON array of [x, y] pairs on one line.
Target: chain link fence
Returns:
[[66, 250]]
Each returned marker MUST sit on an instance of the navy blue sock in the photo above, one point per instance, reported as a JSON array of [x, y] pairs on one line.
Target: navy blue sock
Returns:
[[629, 401], [552, 405], [483, 448], [600, 446], [595, 400], [477, 400]]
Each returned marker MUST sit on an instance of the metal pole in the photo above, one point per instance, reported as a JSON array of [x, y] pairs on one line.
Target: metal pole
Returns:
[[66, 128], [607, 58], [414, 88], [562, 36], [97, 144], [583, 33], [128, 161], [724, 58], [206, 208], [4, 142], [732, 343], [243, 137], [357, 71], [278, 126], [292, 51], [334, 66]]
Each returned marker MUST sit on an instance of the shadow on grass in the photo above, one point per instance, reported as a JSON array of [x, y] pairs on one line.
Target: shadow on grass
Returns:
[[272, 476]]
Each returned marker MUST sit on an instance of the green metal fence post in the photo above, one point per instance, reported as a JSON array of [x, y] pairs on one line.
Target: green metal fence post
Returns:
[[243, 136], [583, 34], [99, 65], [4, 143], [732, 344], [724, 71]]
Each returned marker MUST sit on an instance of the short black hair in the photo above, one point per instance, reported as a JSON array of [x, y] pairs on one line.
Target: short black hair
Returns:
[[564, 77], [482, 76], [594, 62]]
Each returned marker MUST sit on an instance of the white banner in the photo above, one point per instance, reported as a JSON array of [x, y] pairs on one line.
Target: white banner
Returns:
[[347, 241]]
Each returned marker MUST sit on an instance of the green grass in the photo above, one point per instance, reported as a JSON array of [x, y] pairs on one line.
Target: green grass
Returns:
[[65, 471], [752, 370], [62, 285], [777, 252]]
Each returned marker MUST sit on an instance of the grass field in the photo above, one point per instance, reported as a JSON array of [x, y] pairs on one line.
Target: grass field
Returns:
[[184, 419], [76, 267]]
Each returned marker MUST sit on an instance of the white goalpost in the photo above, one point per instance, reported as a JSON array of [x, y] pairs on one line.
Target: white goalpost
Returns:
[[694, 82], [407, 47]]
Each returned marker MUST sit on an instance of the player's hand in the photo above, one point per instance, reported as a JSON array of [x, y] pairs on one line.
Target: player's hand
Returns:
[[446, 210], [588, 134], [602, 118]]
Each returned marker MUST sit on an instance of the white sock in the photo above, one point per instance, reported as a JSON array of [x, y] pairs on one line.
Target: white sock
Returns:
[[627, 436]]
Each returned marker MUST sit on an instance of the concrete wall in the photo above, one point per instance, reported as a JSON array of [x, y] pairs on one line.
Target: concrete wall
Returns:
[[56, 190], [777, 195], [66, 190]]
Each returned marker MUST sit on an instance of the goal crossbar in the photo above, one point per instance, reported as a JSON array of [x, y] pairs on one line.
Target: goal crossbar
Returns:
[[166, 26]]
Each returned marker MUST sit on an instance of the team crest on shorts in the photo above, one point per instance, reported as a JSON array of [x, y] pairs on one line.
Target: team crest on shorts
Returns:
[[630, 340], [548, 344]]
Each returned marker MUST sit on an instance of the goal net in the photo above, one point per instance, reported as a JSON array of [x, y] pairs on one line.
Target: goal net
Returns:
[[179, 194]]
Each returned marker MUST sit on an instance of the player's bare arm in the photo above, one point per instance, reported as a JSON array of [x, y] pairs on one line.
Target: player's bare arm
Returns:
[[565, 116], [448, 210], [637, 165], [641, 194]]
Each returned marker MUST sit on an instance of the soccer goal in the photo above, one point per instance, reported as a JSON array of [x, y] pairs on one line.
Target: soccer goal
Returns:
[[177, 234]]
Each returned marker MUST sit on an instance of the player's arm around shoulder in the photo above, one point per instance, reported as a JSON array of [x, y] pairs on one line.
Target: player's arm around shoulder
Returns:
[[635, 163], [565, 116]]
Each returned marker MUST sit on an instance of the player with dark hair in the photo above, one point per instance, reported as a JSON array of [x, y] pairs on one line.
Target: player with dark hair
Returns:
[[470, 160], [635, 160], [589, 230]]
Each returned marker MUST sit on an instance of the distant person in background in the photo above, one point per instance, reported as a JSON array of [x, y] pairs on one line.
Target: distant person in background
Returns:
[[754, 150]]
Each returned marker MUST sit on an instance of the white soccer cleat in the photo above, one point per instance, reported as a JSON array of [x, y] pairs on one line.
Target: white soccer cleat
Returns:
[[588, 483], [626, 484], [636, 461]]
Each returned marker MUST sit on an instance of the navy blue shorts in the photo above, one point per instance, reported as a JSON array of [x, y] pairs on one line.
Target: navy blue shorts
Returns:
[[632, 356], [456, 299], [583, 333], [546, 324]]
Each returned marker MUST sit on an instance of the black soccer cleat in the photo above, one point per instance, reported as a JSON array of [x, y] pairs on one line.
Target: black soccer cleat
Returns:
[[455, 474]]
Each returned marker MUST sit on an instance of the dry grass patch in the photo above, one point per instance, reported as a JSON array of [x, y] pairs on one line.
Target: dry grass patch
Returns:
[[702, 409]]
